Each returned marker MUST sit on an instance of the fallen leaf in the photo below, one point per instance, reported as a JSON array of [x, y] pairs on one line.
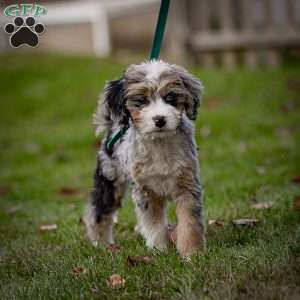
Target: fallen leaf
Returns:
[[216, 222], [71, 205], [12, 210], [78, 271], [242, 147], [245, 222], [262, 205], [287, 106], [136, 260], [297, 202], [61, 157], [4, 189], [283, 133], [260, 170], [32, 148], [115, 281], [95, 290], [296, 180], [205, 131], [293, 84], [212, 102], [172, 234], [48, 227], [55, 248], [114, 248], [69, 191]]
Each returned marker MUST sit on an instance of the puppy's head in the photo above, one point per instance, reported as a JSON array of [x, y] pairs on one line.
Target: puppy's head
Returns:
[[155, 96]]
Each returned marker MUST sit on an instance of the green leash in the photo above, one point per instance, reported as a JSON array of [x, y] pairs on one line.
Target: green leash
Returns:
[[160, 29], [156, 46], [110, 143]]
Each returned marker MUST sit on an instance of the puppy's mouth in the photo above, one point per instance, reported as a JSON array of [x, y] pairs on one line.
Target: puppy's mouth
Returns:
[[161, 133]]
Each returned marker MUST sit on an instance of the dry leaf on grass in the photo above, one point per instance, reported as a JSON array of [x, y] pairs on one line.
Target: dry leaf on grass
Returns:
[[260, 170], [296, 180], [288, 106], [213, 102], [242, 147], [72, 205], [115, 281], [216, 222], [61, 157], [136, 260], [78, 271], [32, 148], [4, 190], [245, 222], [13, 209], [283, 133], [293, 84], [114, 248], [69, 191], [297, 202], [48, 227], [95, 290], [205, 131], [262, 205]]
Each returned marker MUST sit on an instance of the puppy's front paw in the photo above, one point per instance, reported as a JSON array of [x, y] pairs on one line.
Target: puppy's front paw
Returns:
[[158, 240], [190, 240]]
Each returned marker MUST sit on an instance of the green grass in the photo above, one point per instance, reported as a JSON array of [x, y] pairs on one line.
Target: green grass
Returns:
[[47, 141]]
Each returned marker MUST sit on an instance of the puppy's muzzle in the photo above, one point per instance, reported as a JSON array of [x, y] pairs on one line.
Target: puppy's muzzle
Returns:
[[159, 121]]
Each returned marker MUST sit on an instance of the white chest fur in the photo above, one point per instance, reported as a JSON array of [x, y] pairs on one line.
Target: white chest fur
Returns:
[[157, 164]]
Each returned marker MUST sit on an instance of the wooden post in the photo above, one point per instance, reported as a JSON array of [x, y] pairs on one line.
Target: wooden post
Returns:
[[177, 33], [290, 16], [227, 28], [250, 55], [271, 55], [206, 58]]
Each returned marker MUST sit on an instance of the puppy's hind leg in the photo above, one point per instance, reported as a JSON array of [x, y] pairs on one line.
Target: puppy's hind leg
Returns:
[[105, 199]]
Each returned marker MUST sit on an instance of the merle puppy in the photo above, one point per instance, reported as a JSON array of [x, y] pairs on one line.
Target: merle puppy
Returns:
[[157, 156]]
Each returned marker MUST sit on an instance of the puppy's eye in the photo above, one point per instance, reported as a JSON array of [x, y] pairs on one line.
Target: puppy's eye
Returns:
[[140, 101], [171, 99]]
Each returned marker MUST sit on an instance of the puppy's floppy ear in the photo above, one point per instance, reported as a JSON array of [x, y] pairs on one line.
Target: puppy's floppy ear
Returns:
[[195, 91], [114, 102]]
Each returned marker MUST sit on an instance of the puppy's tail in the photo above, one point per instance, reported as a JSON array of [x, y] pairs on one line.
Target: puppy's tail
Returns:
[[101, 118], [111, 107]]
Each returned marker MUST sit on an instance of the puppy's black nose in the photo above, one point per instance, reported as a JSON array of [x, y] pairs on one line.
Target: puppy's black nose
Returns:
[[159, 121]]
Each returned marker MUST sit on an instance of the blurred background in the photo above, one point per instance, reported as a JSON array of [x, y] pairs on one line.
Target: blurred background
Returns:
[[205, 32], [246, 53]]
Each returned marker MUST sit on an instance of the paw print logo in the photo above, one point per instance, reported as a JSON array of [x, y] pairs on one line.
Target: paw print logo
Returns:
[[24, 33]]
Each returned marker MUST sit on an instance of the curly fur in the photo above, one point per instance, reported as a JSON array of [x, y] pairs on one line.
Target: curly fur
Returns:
[[157, 158]]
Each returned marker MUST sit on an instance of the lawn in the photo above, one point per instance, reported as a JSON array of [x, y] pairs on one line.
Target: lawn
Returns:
[[248, 132]]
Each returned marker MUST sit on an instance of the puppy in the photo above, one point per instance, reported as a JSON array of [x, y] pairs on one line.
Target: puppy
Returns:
[[156, 102]]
